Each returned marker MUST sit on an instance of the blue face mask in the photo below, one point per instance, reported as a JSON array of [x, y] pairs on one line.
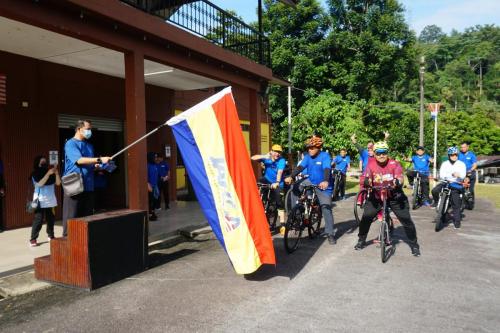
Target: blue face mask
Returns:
[[87, 133]]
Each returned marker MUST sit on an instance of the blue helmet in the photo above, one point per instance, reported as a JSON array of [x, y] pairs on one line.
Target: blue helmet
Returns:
[[452, 150]]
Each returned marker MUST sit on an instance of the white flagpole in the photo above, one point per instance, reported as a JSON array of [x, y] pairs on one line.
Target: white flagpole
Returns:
[[436, 111]]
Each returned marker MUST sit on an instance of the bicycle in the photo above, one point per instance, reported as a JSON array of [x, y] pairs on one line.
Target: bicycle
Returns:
[[386, 223], [305, 214], [417, 196], [444, 205], [467, 198], [337, 177], [270, 208]]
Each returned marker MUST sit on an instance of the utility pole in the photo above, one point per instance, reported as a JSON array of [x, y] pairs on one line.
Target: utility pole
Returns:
[[290, 120], [421, 72], [480, 79]]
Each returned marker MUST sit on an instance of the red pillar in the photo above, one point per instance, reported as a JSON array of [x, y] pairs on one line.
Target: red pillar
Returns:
[[135, 119], [255, 120]]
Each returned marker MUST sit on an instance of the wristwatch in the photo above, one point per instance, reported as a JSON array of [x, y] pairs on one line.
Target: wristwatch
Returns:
[[99, 161]]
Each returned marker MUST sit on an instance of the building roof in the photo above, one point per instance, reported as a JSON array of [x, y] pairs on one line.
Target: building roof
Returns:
[[486, 161]]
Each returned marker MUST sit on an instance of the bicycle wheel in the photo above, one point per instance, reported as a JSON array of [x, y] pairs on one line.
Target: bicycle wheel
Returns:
[[469, 200], [358, 209], [440, 213], [293, 229], [272, 214], [383, 240], [415, 199], [314, 222], [288, 200], [335, 192]]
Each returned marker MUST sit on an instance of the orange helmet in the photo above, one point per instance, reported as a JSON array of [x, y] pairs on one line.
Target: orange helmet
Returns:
[[315, 141]]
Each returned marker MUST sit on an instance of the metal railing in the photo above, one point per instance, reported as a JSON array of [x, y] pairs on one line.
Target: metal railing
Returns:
[[206, 20]]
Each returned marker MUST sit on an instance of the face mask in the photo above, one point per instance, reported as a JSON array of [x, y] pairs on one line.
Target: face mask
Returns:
[[43, 165], [87, 133]]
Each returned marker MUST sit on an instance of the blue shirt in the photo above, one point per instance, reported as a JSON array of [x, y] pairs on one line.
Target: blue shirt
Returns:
[[341, 163], [316, 166], [152, 175], [74, 150], [421, 163], [272, 168], [469, 158], [163, 168], [363, 157]]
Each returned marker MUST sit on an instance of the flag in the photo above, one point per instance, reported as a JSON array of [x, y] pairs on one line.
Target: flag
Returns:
[[212, 146]]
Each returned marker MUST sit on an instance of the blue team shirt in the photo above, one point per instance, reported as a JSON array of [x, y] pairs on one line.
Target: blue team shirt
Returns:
[[152, 175], [363, 157], [341, 163], [469, 158], [316, 166], [163, 168], [421, 163], [75, 149], [272, 168]]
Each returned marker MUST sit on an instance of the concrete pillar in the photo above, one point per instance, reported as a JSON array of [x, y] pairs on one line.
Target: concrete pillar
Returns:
[[135, 119], [255, 120]]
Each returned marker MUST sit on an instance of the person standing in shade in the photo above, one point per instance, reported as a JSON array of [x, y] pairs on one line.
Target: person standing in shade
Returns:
[[470, 160], [44, 179], [2, 194], [421, 164], [79, 158], [342, 164], [164, 174], [153, 190]]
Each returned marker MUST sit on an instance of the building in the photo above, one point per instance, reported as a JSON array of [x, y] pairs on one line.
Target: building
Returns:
[[127, 65]]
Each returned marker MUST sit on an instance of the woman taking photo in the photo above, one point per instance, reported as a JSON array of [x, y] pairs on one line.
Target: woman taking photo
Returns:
[[43, 179]]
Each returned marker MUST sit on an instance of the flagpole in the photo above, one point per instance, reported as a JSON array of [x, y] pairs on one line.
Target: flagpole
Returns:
[[434, 171], [138, 140]]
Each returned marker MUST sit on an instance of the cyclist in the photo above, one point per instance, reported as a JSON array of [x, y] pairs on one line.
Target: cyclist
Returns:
[[342, 163], [470, 160], [365, 156], [454, 171], [274, 164], [385, 171], [421, 162], [318, 164]]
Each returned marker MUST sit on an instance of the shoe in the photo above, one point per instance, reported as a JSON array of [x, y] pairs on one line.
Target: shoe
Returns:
[[456, 224], [50, 238], [332, 240], [359, 245], [153, 217], [33, 243], [415, 249], [434, 205], [380, 215]]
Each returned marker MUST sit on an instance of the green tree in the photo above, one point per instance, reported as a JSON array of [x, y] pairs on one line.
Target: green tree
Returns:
[[431, 34]]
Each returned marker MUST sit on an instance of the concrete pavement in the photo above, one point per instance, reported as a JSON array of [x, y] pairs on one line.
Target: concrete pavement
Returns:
[[453, 287]]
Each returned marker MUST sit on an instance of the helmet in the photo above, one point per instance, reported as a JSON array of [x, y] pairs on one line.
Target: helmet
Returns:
[[314, 141], [452, 150], [380, 147], [277, 148]]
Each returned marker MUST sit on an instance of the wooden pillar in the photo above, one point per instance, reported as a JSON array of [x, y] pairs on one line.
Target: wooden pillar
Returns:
[[135, 119], [255, 120]]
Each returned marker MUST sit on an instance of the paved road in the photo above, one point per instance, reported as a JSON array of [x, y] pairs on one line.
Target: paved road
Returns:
[[453, 287]]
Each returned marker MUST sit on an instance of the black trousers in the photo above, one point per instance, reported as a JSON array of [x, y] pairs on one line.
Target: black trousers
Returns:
[[1, 213], [153, 202], [164, 189], [40, 213], [424, 182], [401, 208], [275, 194], [342, 185], [456, 201], [472, 183], [76, 206]]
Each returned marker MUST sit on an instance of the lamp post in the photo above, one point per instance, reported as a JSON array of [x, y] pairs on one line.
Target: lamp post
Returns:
[[421, 72]]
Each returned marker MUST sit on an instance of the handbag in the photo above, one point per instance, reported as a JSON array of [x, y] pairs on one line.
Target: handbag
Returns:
[[72, 184], [34, 204]]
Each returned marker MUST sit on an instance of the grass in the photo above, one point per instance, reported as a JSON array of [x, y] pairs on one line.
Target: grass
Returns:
[[490, 192]]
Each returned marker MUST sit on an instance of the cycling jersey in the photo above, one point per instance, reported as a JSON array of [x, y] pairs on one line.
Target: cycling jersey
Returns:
[[383, 174], [315, 167], [341, 163], [272, 168], [469, 158], [421, 163]]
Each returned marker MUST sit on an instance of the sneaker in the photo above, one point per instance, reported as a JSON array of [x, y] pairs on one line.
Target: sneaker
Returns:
[[415, 249], [33, 243], [359, 245], [332, 240], [434, 205], [50, 238], [380, 215], [153, 217], [456, 224]]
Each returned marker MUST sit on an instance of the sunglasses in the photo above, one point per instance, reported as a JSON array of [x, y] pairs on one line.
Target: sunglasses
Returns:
[[381, 153]]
